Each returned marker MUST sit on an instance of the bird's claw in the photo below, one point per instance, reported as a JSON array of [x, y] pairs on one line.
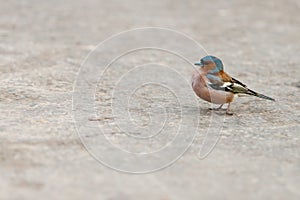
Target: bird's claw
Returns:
[[213, 108], [229, 113], [219, 108]]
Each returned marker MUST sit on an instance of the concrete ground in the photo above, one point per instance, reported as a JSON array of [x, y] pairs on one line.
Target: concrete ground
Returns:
[[43, 43]]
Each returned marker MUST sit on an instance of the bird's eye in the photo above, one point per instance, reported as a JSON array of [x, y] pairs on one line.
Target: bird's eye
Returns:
[[206, 63]]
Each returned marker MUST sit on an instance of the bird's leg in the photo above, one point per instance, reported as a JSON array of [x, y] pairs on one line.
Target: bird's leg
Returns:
[[228, 112], [220, 107]]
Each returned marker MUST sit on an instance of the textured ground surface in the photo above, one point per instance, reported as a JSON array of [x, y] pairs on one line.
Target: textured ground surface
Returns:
[[42, 44]]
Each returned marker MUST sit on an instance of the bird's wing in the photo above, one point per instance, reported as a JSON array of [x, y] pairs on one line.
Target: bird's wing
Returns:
[[227, 78], [230, 87], [238, 82], [237, 88], [229, 84]]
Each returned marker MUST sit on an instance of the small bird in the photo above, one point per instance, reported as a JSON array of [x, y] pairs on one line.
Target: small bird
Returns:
[[212, 84]]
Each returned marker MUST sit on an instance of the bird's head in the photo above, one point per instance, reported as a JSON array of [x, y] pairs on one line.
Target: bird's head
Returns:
[[210, 64]]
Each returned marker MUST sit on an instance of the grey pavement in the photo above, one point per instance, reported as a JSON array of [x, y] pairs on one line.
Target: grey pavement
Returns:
[[42, 46]]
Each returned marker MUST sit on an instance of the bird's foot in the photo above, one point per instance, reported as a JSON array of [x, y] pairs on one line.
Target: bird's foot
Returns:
[[229, 113], [219, 108], [214, 109]]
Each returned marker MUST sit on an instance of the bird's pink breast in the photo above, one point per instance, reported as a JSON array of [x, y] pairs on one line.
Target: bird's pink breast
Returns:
[[200, 88]]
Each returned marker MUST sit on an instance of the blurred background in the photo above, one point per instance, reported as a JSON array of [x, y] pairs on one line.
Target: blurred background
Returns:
[[42, 44]]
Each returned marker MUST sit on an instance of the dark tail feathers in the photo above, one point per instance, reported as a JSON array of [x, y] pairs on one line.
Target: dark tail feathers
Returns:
[[251, 92]]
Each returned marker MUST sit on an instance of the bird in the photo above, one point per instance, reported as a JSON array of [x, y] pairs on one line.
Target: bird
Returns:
[[211, 83]]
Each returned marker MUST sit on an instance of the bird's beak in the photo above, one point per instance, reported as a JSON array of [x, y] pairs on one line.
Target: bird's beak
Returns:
[[199, 64]]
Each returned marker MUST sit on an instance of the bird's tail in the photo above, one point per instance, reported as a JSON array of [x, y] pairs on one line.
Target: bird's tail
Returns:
[[251, 92]]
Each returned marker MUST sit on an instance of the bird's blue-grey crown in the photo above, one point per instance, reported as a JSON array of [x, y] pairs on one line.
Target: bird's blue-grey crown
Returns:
[[217, 61]]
